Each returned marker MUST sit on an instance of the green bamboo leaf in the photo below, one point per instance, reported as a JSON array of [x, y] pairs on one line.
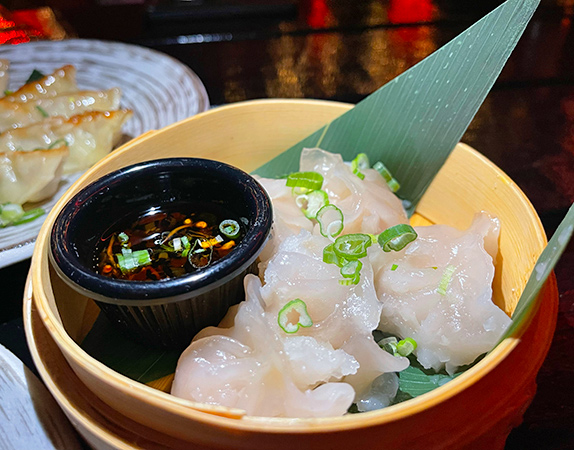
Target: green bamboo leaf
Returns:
[[136, 361], [413, 122], [415, 382], [545, 264]]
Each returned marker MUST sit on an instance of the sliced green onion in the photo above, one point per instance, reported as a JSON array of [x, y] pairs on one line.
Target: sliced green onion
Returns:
[[300, 190], [129, 260], [177, 244], [294, 310], [10, 212], [186, 246], [58, 142], [391, 182], [29, 216], [8, 92], [42, 111], [445, 280], [350, 281], [14, 214], [330, 219], [312, 202], [329, 255], [123, 237], [351, 272], [351, 269], [352, 246], [394, 267], [405, 347], [396, 238], [389, 344], [361, 162], [35, 76], [230, 228], [401, 348], [308, 180]]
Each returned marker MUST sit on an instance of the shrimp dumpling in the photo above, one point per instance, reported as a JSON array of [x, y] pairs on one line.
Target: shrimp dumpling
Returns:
[[89, 136], [30, 176], [438, 291], [368, 204], [251, 367]]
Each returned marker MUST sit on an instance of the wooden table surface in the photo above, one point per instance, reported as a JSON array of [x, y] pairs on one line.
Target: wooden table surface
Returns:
[[343, 50]]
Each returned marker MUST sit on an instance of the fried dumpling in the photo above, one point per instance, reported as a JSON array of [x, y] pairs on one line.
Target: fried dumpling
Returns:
[[438, 291], [62, 81], [4, 75], [30, 176], [16, 115], [89, 136]]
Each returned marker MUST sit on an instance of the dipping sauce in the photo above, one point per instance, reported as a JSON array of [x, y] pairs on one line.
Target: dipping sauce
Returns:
[[162, 244]]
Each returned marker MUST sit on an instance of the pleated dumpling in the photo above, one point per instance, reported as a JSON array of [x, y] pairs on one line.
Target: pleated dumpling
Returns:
[[438, 291], [89, 136], [61, 81], [16, 114], [30, 176]]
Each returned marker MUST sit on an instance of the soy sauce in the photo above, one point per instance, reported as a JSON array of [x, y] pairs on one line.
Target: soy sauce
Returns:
[[166, 243]]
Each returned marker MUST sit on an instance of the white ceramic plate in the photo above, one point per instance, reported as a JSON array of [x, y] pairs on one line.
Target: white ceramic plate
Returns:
[[159, 89]]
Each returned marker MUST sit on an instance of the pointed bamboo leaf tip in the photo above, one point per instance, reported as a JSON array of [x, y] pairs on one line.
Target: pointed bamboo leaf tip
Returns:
[[413, 122], [542, 269]]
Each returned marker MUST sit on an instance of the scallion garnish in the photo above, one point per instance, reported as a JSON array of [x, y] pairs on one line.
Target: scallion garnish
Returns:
[[391, 182], [351, 269], [129, 260], [308, 180], [42, 111], [396, 238], [351, 272], [361, 162], [405, 347], [294, 315], [445, 280], [58, 142], [123, 237], [312, 202], [14, 214], [230, 228], [35, 76], [394, 267], [352, 246], [330, 219]]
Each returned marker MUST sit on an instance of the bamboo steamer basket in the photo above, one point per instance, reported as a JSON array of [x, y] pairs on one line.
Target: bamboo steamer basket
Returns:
[[475, 411]]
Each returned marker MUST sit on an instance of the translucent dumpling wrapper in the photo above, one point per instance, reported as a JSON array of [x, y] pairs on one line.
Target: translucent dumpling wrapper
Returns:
[[332, 360], [16, 115], [30, 176], [438, 291], [89, 136], [368, 205], [252, 367], [61, 81]]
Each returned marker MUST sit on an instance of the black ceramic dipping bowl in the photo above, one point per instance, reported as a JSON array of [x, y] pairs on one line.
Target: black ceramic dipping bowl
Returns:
[[167, 312]]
